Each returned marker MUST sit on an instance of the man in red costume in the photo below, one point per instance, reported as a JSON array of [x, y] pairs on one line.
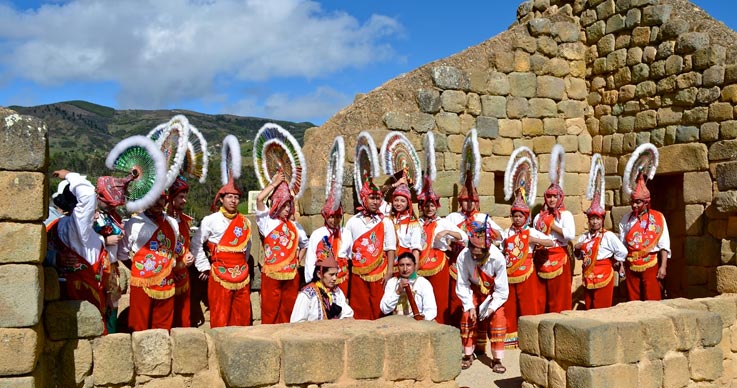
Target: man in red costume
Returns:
[[282, 245], [227, 235], [150, 244], [177, 198], [370, 242], [645, 234]]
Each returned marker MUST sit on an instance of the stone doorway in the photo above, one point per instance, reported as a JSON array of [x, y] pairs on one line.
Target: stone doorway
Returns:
[[666, 193]]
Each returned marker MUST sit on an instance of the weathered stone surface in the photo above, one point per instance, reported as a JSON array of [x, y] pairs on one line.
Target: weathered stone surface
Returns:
[[723, 150], [726, 201], [397, 121], [21, 297], [19, 350], [551, 87], [76, 362], [534, 369], [726, 279], [542, 107], [428, 100], [320, 367], [26, 185], [152, 352], [446, 359], [522, 84], [422, 122], [113, 359], [598, 338], [498, 84], [448, 77], [650, 374], [189, 350], [208, 378], [24, 133], [70, 319], [691, 41], [705, 363], [675, 370], [362, 348], [656, 15], [52, 291], [687, 134], [22, 242], [678, 158], [695, 186], [247, 358], [448, 123], [453, 101], [727, 176], [603, 376]]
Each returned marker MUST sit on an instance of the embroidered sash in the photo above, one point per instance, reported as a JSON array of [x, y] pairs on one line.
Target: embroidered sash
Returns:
[[641, 239], [281, 246], [519, 260], [432, 260], [152, 264], [342, 262], [545, 223], [369, 261], [483, 281], [229, 266], [596, 273]]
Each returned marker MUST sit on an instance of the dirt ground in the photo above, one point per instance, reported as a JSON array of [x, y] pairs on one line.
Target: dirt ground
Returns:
[[479, 375]]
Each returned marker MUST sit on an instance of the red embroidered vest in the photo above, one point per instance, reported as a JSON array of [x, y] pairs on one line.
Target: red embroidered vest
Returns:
[[229, 258], [152, 265], [481, 281], [281, 246], [369, 261], [596, 273], [642, 238], [519, 260], [555, 257], [432, 260]]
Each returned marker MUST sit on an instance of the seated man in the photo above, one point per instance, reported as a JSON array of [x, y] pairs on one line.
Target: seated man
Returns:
[[322, 298], [398, 300]]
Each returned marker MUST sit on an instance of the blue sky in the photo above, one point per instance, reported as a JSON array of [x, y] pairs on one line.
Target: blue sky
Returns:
[[286, 59]]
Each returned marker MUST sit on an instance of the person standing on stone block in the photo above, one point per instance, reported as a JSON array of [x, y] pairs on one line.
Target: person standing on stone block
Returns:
[[553, 264], [176, 199], [643, 231], [282, 244], [437, 235], [482, 288], [322, 298], [226, 236], [369, 241], [396, 298]]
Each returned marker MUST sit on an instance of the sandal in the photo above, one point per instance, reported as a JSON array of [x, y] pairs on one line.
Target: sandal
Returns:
[[497, 367], [466, 361]]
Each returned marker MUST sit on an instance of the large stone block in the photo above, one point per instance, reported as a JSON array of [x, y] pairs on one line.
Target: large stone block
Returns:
[[247, 357], [76, 362], [686, 329], [71, 319], [428, 100], [24, 145], [21, 296], [319, 367], [534, 369], [52, 291], [446, 355], [727, 176], [30, 186], [19, 350], [208, 378], [618, 375], [366, 352], [522, 84], [705, 363], [600, 340], [650, 373], [453, 101], [404, 353], [694, 187], [675, 370], [723, 305], [152, 352], [113, 359], [725, 202], [448, 77], [22, 242], [189, 350], [723, 150], [726, 279]]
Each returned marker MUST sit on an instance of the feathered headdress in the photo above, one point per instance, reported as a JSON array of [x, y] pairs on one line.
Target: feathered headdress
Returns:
[[470, 167], [557, 169], [230, 169], [397, 155], [365, 164], [596, 187], [197, 159], [520, 179], [334, 178], [173, 139], [275, 149], [427, 193], [640, 167], [144, 163]]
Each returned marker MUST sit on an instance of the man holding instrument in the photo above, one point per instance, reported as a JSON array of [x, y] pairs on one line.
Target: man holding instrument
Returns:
[[409, 294]]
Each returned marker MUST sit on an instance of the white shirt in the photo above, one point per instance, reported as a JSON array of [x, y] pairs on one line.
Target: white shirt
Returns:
[[566, 223], [308, 307], [509, 232], [75, 230], [423, 295], [311, 255], [211, 230], [138, 231], [458, 218], [358, 225], [443, 225], [496, 266], [266, 224], [610, 246], [409, 235], [626, 224]]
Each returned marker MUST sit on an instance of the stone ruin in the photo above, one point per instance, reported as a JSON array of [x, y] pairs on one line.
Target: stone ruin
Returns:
[[595, 76]]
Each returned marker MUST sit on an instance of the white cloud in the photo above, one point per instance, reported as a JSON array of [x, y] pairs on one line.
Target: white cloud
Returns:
[[164, 51], [316, 106]]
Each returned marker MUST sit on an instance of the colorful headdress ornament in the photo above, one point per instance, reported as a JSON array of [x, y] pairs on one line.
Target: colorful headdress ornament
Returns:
[[640, 168], [230, 169], [334, 179], [145, 167], [480, 235], [365, 166], [427, 193], [397, 155], [595, 189], [470, 167], [326, 257], [520, 179], [197, 158], [275, 149], [556, 172], [280, 197], [180, 185], [173, 139]]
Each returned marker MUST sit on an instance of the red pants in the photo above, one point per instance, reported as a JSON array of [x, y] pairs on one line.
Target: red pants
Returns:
[[556, 292], [365, 298], [228, 307], [277, 299], [494, 327], [440, 284], [455, 307], [599, 298], [146, 312], [182, 309], [521, 302], [643, 285]]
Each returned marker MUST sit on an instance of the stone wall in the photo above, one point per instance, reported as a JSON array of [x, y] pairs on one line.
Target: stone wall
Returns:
[[674, 343]]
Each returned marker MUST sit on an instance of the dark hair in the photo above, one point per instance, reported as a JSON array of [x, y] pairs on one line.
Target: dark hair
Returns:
[[66, 201], [407, 255], [316, 274]]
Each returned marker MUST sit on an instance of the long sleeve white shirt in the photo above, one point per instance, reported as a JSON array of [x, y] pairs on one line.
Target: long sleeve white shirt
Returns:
[[358, 225], [75, 230], [211, 230], [138, 231], [423, 295], [610, 246], [307, 306], [409, 235], [628, 222], [311, 255], [566, 223], [457, 218], [509, 232], [266, 224], [496, 266]]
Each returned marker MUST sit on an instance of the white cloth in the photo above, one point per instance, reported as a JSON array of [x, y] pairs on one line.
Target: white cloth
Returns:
[[266, 224], [509, 232], [307, 306], [628, 222], [311, 256], [138, 231], [610, 246], [457, 218], [423, 295], [358, 225], [566, 223], [495, 266], [211, 230], [409, 235], [75, 230], [443, 225]]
